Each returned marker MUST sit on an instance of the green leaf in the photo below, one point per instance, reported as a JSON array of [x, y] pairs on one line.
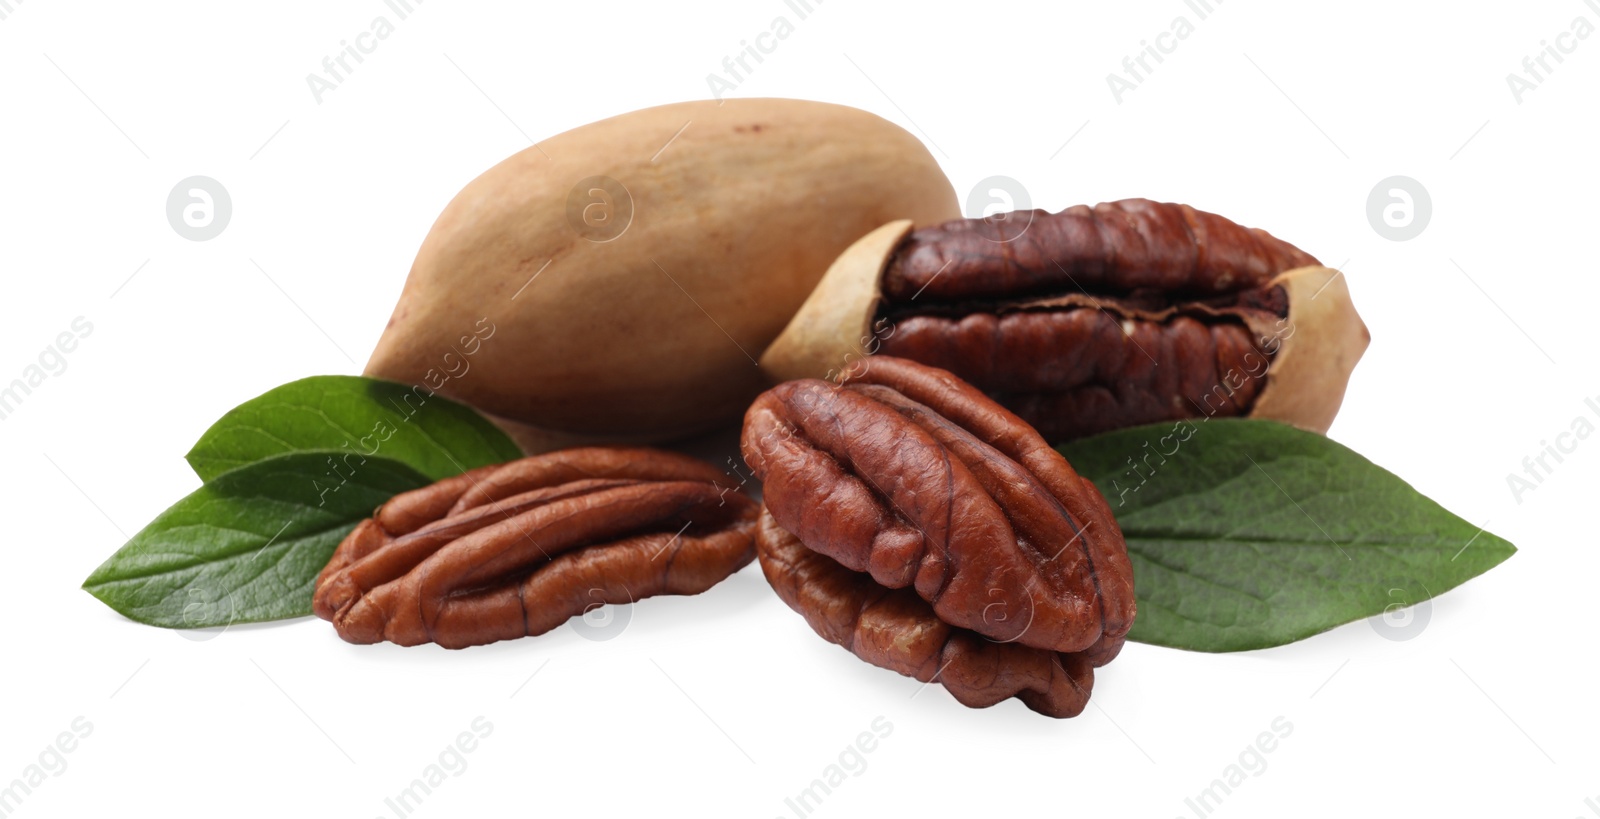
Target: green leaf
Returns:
[[1249, 534], [350, 414], [248, 545]]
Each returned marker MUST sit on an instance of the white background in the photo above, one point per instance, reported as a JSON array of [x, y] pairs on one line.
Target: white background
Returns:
[[1277, 115]]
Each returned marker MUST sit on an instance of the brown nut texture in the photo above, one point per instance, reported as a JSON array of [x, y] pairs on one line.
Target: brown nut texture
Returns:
[[516, 549], [1093, 319], [897, 630], [613, 282], [914, 480]]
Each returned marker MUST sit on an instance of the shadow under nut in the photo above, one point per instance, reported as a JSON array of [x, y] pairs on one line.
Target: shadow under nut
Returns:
[[522, 564], [897, 630]]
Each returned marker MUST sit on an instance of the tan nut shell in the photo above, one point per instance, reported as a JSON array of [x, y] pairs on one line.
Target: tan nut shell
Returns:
[[833, 328], [1317, 347], [738, 209]]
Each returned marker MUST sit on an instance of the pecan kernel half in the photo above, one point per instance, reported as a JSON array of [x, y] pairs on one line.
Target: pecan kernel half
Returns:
[[514, 550], [907, 479]]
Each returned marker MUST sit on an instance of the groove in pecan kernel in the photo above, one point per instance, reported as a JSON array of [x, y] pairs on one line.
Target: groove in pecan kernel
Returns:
[[919, 480], [516, 549]]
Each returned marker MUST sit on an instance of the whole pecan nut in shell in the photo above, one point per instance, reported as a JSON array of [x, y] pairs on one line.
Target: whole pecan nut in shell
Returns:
[[1093, 318], [515, 549], [907, 478], [745, 210]]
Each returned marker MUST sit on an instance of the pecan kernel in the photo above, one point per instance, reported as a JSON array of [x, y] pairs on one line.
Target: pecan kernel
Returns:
[[908, 485], [514, 550]]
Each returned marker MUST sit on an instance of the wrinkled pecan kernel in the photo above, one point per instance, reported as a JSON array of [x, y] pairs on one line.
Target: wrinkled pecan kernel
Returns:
[[1094, 319], [897, 630], [515, 549], [912, 479]]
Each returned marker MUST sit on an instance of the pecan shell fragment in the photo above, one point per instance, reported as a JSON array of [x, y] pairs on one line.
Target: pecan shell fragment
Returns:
[[516, 549], [907, 479]]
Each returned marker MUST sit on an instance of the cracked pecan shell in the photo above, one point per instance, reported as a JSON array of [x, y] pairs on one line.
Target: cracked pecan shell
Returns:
[[916, 481], [516, 549], [1093, 319]]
